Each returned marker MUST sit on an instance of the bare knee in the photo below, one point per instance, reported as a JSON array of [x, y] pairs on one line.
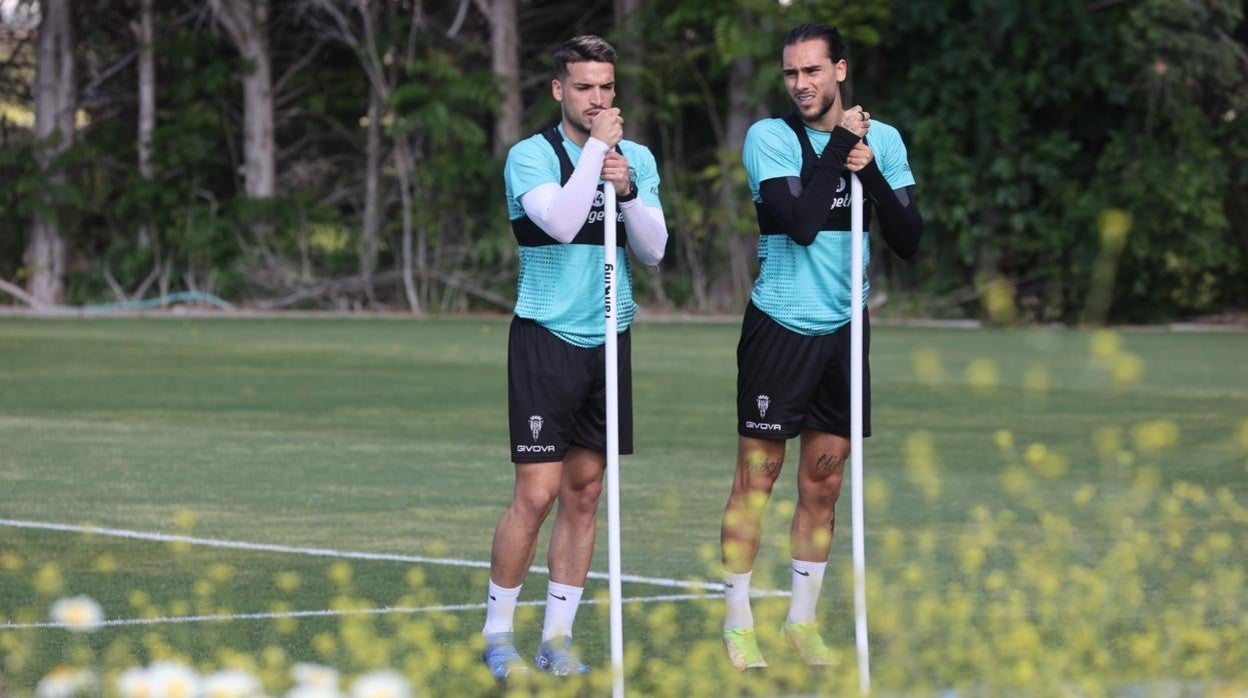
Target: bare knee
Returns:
[[581, 495], [820, 481], [757, 470], [819, 494], [534, 501], [580, 482]]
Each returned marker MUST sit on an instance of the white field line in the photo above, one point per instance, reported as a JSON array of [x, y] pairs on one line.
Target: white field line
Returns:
[[354, 612], [342, 554]]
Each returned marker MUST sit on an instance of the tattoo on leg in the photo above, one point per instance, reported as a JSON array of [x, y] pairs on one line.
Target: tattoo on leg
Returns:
[[768, 467], [829, 463]]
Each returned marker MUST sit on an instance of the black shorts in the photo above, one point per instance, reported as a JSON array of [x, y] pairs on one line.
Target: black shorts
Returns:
[[556, 394], [787, 382]]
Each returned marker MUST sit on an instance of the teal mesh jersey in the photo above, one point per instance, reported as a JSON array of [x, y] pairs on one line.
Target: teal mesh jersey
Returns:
[[806, 289], [561, 285]]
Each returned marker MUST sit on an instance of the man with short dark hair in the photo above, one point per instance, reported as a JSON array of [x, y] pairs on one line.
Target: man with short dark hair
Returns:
[[793, 376], [555, 359]]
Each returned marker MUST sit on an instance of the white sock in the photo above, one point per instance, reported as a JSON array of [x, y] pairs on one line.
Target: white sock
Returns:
[[807, 581], [500, 609], [561, 604], [737, 615]]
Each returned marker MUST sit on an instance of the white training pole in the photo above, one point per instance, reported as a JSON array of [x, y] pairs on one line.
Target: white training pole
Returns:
[[855, 435], [613, 441]]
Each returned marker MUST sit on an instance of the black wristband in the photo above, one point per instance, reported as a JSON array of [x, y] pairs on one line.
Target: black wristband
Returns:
[[632, 193]]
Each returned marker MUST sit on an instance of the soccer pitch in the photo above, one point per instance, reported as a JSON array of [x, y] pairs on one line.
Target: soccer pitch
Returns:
[[1046, 509]]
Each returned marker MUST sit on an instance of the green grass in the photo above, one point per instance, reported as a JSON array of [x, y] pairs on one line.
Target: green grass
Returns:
[[388, 436]]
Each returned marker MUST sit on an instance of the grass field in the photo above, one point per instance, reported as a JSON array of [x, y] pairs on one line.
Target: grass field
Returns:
[[1048, 512]]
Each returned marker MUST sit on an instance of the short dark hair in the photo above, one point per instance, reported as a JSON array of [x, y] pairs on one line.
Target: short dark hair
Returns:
[[809, 32], [585, 48]]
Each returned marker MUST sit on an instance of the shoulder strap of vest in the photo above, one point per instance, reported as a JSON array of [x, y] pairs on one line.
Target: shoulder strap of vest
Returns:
[[799, 129], [555, 139]]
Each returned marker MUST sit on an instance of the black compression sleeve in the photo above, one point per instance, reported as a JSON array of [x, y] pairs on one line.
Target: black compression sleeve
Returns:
[[800, 207], [900, 220]]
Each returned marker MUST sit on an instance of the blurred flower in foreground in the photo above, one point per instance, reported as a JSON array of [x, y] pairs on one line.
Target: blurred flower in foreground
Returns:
[[1115, 224], [1155, 435], [185, 519], [232, 684], [325, 644], [314, 675], [1106, 343], [381, 684], [982, 374], [1046, 463], [80, 614], [997, 297], [304, 691], [48, 580], [340, 574], [927, 368], [134, 683], [172, 680], [1004, 439], [1124, 366], [287, 581], [1108, 441], [1127, 367], [220, 573], [922, 466], [66, 682], [1037, 379]]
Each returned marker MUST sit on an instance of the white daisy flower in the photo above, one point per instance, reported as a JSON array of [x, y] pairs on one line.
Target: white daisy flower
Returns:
[[231, 684], [315, 675], [381, 684], [173, 680], [80, 614], [134, 683], [65, 682], [309, 691]]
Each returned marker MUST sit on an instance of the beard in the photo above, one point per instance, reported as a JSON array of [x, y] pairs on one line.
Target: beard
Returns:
[[579, 122], [818, 109]]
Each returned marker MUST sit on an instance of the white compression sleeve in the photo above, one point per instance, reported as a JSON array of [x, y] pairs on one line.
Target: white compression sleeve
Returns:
[[561, 211], [647, 231]]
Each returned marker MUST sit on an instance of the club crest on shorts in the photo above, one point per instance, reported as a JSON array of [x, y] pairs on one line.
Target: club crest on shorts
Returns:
[[535, 426], [763, 402]]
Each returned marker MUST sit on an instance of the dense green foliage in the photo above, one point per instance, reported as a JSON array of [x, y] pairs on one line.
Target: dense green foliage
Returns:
[[1027, 120], [1077, 161]]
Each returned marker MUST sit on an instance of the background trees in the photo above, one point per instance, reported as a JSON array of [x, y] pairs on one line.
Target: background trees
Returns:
[[1077, 160]]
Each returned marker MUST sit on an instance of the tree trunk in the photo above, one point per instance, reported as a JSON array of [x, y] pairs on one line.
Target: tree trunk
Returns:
[[259, 163], [505, 59], [371, 233], [741, 113], [147, 89], [630, 46], [56, 101], [246, 22], [147, 106], [406, 171]]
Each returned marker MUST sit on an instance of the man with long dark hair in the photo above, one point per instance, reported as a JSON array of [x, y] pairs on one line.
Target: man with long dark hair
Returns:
[[793, 377]]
